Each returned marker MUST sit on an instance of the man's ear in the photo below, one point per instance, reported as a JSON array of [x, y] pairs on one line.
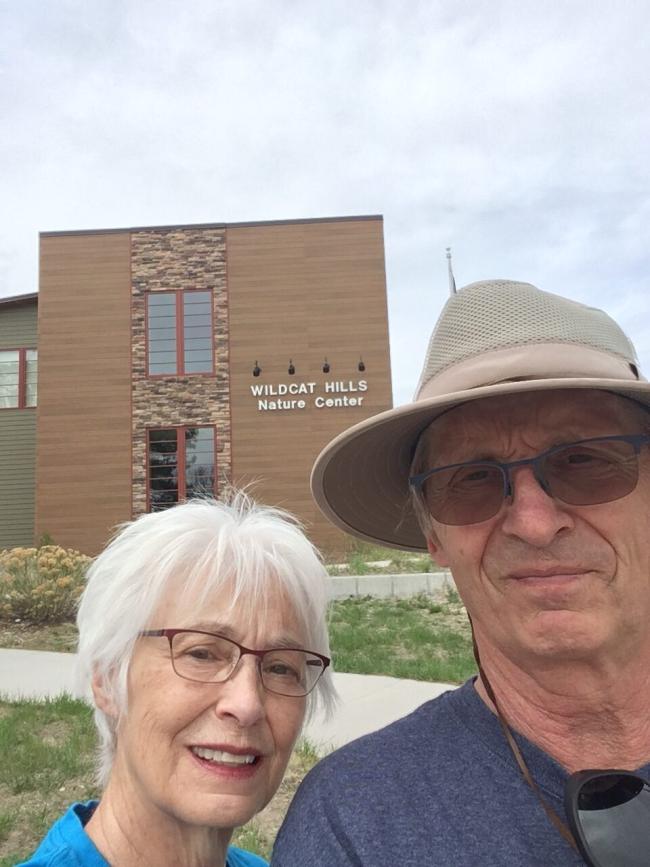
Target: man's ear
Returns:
[[103, 696], [437, 552]]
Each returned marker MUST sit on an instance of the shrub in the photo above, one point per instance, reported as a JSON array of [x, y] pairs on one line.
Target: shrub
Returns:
[[41, 585]]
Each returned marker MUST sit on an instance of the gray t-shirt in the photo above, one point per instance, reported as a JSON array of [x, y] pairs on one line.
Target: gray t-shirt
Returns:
[[439, 787]]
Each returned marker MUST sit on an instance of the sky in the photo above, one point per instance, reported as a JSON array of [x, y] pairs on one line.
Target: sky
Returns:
[[517, 133]]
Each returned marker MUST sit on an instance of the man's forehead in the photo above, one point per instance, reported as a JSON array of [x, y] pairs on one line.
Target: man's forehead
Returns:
[[551, 416]]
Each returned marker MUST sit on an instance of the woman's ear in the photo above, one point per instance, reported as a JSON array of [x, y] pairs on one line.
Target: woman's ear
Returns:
[[103, 696]]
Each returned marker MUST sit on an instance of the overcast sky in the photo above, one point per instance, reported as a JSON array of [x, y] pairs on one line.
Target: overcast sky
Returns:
[[518, 133]]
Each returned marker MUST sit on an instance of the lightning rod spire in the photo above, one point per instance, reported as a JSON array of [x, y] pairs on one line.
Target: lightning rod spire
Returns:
[[452, 279]]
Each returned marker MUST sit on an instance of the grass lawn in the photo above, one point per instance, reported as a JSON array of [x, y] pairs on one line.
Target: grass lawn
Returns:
[[366, 559], [46, 752], [421, 637], [46, 762]]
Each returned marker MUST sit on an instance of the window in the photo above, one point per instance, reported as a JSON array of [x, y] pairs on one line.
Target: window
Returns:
[[181, 465], [18, 378], [179, 332]]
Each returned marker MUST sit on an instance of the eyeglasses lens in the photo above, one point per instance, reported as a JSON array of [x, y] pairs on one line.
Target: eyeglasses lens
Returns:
[[212, 659], [591, 473], [465, 494], [614, 817], [202, 657], [290, 672], [580, 475]]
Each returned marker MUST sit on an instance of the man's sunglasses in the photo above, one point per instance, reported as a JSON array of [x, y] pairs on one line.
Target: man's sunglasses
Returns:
[[582, 473], [609, 816]]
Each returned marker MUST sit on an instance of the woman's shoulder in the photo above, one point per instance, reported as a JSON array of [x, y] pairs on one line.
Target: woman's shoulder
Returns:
[[66, 844], [240, 858]]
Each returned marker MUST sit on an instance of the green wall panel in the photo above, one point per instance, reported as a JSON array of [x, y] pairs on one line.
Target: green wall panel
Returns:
[[17, 438]]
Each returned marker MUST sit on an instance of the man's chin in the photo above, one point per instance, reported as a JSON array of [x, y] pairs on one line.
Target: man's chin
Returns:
[[564, 635]]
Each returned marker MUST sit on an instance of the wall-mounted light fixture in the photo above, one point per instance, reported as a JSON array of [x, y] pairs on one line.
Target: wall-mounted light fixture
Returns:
[[291, 369], [326, 366], [361, 366], [257, 369]]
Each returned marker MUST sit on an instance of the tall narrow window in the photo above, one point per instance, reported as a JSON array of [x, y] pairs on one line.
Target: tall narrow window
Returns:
[[161, 332], [18, 372], [9, 379], [179, 332], [31, 376], [181, 465], [163, 469], [197, 332]]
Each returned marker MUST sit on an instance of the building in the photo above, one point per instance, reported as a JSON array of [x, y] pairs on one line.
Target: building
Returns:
[[176, 360]]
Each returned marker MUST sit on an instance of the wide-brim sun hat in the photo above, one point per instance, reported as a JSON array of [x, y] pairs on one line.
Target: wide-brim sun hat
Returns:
[[494, 337]]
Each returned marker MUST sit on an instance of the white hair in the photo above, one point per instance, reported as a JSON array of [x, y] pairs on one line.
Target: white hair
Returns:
[[194, 549]]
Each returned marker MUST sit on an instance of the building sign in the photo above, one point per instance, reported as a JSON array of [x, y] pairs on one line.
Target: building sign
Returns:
[[333, 394]]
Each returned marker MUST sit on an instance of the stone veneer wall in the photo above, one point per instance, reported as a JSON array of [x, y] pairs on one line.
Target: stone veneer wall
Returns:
[[179, 259]]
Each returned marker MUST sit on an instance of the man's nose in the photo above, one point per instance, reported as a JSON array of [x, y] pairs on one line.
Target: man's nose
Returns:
[[531, 513]]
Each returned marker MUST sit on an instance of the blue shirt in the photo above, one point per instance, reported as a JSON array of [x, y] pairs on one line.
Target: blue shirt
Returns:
[[439, 787], [66, 844]]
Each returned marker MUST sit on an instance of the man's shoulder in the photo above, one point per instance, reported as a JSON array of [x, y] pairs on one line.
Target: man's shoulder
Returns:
[[436, 786], [358, 803]]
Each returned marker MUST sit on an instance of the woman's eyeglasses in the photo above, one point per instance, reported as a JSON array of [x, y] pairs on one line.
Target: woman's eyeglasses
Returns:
[[209, 658], [583, 473]]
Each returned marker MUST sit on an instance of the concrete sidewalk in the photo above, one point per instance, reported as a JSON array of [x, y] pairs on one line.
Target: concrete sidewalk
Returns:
[[368, 702]]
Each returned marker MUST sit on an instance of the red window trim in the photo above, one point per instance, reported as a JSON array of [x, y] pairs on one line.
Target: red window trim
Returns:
[[22, 377], [180, 333], [180, 457]]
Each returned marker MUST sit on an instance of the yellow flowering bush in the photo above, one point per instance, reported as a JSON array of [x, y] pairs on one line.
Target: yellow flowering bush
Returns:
[[41, 585]]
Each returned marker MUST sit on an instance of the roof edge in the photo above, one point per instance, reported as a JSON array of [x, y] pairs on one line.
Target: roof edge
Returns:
[[17, 299], [244, 225]]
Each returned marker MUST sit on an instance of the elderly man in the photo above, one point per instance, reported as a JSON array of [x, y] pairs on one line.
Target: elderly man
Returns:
[[526, 455]]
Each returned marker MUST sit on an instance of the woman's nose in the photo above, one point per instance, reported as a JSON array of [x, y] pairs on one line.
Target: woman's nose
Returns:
[[243, 697]]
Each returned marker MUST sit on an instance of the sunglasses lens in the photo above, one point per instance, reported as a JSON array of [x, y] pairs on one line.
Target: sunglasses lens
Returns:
[[613, 812], [595, 472], [464, 495], [582, 474]]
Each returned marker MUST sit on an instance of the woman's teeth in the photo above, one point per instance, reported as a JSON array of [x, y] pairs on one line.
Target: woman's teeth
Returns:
[[223, 758]]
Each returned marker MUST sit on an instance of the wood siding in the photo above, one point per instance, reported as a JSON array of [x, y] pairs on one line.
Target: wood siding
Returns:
[[303, 291], [84, 407], [17, 436]]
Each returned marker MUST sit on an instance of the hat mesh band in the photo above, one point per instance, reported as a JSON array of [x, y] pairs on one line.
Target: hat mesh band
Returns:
[[504, 313]]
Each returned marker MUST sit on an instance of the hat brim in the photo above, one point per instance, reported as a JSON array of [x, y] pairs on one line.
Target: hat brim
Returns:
[[360, 479]]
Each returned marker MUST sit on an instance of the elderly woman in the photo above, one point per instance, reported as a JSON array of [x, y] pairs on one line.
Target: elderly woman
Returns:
[[203, 640]]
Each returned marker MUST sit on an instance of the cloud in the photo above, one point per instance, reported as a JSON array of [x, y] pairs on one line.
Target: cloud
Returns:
[[516, 132]]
